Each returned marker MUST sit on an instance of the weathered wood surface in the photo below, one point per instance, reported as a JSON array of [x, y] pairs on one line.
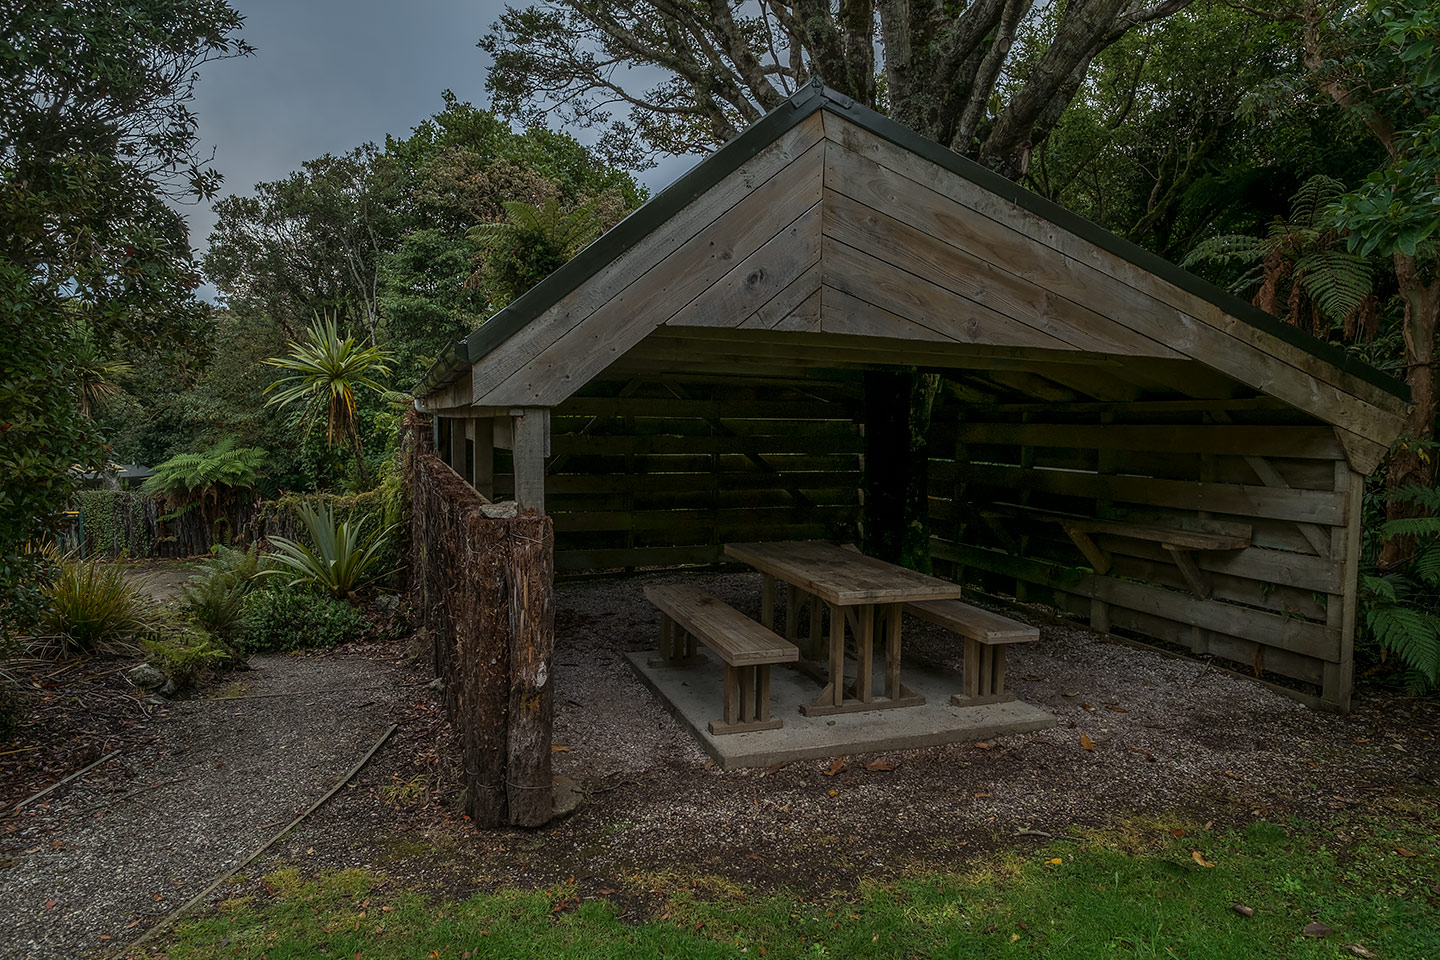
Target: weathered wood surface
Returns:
[[968, 620], [839, 576], [1182, 539], [529, 578], [734, 637]]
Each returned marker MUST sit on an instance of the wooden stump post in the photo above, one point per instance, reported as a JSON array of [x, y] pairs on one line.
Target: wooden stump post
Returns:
[[532, 642]]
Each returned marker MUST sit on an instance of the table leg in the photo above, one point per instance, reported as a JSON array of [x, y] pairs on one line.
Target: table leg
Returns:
[[837, 655], [792, 612], [817, 625], [864, 653], [767, 601], [892, 650]]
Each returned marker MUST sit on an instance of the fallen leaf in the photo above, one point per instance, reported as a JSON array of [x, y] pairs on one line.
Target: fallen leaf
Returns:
[[1111, 706], [774, 768], [1072, 693], [1176, 833], [49, 904], [884, 766], [1355, 950], [1014, 937], [1243, 910], [1087, 707], [1055, 862], [1316, 929], [1404, 853], [1086, 742], [1199, 858], [1233, 775], [559, 748], [983, 745], [982, 796], [832, 793], [837, 766]]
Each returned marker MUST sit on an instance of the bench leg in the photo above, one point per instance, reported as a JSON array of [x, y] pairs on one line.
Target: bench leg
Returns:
[[677, 648], [984, 676], [746, 699], [767, 601]]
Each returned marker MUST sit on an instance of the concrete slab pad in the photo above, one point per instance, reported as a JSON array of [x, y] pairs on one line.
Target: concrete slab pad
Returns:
[[692, 694]]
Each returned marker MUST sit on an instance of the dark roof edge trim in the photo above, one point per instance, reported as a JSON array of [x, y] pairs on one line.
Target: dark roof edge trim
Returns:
[[907, 139]]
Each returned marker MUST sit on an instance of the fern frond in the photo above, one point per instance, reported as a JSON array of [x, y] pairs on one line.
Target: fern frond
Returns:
[[1308, 206], [1422, 495], [1230, 248], [1426, 565], [1338, 282], [1413, 634]]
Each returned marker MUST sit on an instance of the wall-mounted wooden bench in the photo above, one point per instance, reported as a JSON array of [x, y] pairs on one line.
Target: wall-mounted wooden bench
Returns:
[[689, 615], [1178, 543], [986, 637]]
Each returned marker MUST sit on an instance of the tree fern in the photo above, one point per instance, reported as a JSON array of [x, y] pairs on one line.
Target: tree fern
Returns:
[[1301, 265], [188, 480]]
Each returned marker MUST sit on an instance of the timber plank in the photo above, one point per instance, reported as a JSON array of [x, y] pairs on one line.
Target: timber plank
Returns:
[[1235, 440]]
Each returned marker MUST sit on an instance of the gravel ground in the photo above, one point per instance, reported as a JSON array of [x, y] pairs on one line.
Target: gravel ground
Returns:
[[92, 864], [1171, 743]]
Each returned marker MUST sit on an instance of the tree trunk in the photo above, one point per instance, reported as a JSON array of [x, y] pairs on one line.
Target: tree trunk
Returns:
[[1412, 462], [898, 402]]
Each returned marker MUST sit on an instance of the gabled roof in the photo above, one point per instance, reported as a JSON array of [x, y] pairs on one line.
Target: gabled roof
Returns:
[[1185, 298]]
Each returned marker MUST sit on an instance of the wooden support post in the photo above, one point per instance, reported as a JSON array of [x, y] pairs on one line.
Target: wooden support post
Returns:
[[456, 455], [892, 650], [1339, 677], [1199, 583], [731, 698], [817, 626], [483, 466], [767, 601], [865, 654], [531, 427], [837, 655], [1099, 559], [762, 695], [792, 612]]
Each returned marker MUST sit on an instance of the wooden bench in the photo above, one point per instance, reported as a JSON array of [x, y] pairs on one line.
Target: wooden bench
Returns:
[[986, 637], [689, 615]]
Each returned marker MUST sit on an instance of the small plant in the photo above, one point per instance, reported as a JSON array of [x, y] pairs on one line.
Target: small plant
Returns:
[[214, 597], [184, 652], [291, 618], [342, 556], [1402, 607], [91, 607], [189, 480]]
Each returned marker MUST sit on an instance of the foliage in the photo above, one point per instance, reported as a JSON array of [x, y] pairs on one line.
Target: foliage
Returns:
[[97, 378], [286, 617], [325, 372], [339, 557], [185, 652], [205, 479], [214, 598], [115, 523], [1141, 892], [97, 135], [1402, 606], [532, 243], [92, 607], [1300, 269]]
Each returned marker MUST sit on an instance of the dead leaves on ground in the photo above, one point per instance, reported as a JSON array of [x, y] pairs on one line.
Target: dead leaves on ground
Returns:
[[1199, 858], [885, 766], [1086, 742]]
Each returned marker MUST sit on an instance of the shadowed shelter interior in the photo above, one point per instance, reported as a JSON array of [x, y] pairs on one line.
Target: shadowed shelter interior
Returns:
[[1108, 433]]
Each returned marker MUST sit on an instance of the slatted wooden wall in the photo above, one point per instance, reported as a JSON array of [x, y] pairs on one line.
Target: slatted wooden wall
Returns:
[[658, 474], [1281, 607]]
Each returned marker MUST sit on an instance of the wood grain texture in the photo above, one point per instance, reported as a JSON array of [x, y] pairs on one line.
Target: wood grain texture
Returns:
[[734, 637], [838, 576]]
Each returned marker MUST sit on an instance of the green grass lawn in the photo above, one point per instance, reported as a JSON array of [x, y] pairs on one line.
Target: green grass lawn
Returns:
[[1141, 892]]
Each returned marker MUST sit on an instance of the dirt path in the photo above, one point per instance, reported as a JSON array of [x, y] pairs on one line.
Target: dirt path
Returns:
[[94, 863]]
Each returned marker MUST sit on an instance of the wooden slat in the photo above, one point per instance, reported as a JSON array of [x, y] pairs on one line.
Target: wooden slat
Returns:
[[738, 640], [1184, 539], [839, 576], [1234, 440], [980, 625], [921, 253], [573, 444], [1298, 636], [1314, 506]]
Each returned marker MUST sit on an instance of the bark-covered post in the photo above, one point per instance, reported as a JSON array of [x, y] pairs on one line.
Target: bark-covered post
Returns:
[[483, 646], [532, 644]]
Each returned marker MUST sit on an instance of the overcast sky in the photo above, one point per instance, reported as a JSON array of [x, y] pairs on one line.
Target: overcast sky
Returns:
[[328, 75]]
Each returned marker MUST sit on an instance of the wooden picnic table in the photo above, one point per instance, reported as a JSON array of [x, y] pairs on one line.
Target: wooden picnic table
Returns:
[[861, 592]]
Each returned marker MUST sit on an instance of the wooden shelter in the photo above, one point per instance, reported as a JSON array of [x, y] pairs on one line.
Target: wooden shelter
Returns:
[[1112, 434]]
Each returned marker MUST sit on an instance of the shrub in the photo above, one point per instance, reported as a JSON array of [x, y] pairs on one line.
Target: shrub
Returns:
[[214, 597], [188, 480], [338, 558], [291, 617], [185, 652], [91, 606]]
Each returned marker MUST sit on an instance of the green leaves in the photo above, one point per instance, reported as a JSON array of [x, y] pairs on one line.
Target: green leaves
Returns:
[[341, 558], [188, 479]]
